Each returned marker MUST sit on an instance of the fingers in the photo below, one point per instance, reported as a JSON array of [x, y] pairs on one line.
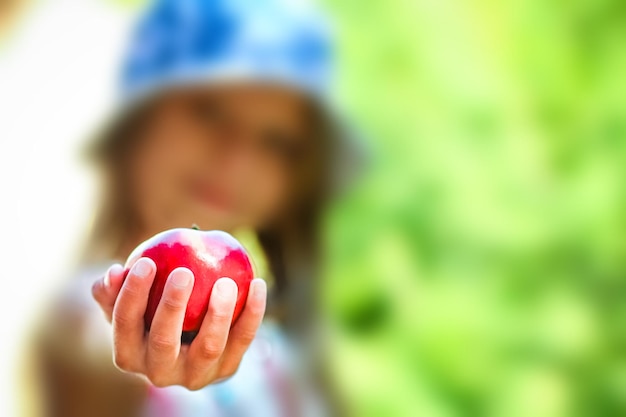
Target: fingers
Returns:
[[209, 344], [167, 325], [128, 314], [217, 349], [244, 330], [106, 289]]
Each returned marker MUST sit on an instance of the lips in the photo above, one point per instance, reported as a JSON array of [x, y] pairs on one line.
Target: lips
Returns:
[[211, 196]]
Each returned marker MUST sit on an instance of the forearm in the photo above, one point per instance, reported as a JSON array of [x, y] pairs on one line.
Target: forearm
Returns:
[[75, 373], [76, 391]]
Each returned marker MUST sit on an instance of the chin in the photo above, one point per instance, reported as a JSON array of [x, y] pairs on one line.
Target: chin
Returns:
[[211, 220]]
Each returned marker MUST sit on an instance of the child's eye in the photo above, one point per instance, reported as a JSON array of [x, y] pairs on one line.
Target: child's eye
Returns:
[[280, 145], [206, 110]]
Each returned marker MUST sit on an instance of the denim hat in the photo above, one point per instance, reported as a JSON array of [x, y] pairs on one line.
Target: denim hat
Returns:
[[191, 42]]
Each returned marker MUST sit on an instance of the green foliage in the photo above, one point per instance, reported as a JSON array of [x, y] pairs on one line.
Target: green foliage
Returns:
[[131, 4], [479, 268]]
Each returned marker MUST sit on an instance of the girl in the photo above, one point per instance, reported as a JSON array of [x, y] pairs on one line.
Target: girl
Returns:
[[224, 124]]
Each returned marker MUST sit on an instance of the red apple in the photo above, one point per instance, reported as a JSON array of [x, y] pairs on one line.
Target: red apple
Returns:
[[210, 255]]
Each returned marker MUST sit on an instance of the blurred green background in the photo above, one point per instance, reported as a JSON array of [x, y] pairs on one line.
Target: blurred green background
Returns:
[[479, 270]]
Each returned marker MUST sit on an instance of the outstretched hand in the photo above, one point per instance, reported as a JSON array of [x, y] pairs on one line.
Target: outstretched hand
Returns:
[[213, 355]]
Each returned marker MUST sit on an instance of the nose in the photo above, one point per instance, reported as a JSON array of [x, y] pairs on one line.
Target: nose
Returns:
[[237, 159]]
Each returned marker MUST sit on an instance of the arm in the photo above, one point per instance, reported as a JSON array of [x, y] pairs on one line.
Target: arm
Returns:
[[76, 377]]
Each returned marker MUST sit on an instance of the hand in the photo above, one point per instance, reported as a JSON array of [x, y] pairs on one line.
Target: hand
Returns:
[[213, 355]]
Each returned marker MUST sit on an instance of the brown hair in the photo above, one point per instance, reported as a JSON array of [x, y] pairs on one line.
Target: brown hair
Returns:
[[291, 243]]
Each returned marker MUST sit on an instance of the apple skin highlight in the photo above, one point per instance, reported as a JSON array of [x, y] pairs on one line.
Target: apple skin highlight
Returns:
[[210, 255]]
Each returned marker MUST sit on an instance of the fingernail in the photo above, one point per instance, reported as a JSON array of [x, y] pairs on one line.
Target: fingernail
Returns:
[[258, 288], [142, 268], [181, 278], [107, 278], [225, 287], [113, 269]]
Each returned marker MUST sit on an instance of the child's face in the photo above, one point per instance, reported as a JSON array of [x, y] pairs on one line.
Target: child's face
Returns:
[[221, 157]]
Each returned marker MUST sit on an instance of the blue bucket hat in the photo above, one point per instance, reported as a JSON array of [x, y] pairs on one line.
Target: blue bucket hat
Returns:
[[192, 42], [179, 43]]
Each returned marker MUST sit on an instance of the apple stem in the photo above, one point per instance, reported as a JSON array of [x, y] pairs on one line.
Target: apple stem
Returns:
[[195, 227]]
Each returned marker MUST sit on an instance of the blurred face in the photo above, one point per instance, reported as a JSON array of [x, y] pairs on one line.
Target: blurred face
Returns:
[[221, 158]]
